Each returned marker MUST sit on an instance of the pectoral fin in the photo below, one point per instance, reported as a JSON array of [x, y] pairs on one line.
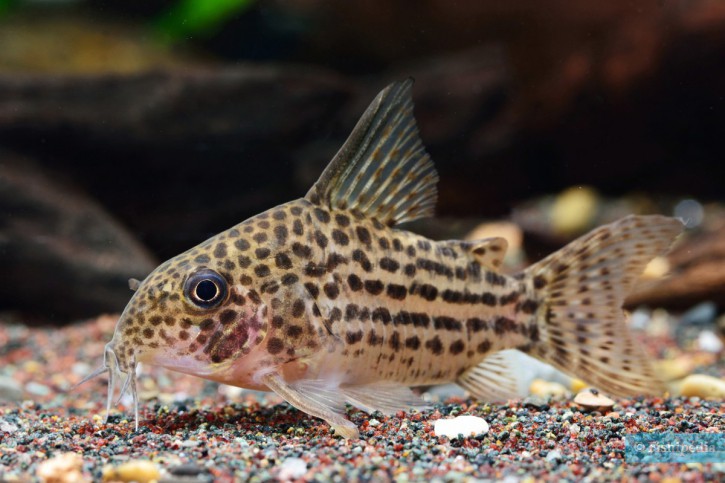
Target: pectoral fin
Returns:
[[386, 397], [315, 398]]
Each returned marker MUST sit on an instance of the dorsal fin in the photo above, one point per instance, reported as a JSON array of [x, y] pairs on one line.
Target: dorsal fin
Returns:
[[489, 252], [382, 170]]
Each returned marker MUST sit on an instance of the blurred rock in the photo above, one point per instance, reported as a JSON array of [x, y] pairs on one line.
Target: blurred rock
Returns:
[[704, 386], [62, 254], [140, 471], [62, 468], [547, 389]]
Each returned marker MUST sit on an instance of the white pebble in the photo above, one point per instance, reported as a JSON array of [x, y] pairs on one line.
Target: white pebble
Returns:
[[554, 455], [708, 341], [374, 423], [7, 427], [292, 469], [465, 425], [37, 389]]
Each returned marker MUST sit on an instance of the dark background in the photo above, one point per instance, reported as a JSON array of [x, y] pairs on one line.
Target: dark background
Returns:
[[130, 131]]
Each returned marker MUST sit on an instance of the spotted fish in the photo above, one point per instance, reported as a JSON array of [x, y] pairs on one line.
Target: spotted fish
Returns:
[[323, 301]]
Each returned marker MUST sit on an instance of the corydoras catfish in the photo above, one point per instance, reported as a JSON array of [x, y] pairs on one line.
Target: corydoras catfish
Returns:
[[323, 301]]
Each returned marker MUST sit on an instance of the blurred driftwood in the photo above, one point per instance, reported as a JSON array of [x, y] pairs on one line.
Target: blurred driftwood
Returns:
[[697, 273], [61, 254]]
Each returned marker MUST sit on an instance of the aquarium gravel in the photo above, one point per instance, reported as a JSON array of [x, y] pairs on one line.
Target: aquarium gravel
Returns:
[[198, 431]]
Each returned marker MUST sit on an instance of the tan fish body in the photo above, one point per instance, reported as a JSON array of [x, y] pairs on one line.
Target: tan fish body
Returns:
[[324, 302]]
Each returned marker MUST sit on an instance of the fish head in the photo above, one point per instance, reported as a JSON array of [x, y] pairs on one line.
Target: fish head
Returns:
[[189, 315]]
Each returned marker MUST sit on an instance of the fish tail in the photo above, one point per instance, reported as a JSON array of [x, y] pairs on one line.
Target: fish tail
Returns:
[[581, 326]]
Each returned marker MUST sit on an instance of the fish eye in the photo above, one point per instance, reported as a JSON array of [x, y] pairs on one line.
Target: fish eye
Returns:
[[206, 288]]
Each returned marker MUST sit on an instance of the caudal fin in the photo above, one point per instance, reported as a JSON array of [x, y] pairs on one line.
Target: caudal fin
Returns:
[[581, 288]]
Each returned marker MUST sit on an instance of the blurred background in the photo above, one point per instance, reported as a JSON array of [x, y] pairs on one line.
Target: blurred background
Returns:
[[133, 130]]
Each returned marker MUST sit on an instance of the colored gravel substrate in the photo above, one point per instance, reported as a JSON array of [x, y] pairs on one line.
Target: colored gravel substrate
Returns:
[[196, 431]]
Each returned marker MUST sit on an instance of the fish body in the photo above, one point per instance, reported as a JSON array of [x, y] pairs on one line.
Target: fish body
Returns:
[[323, 301]]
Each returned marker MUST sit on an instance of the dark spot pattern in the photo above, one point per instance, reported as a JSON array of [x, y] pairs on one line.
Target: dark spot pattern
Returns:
[[397, 292], [363, 235], [280, 232], [340, 237], [362, 259], [447, 323], [495, 279], [322, 215], [381, 314], [300, 250], [331, 290], [282, 260], [289, 279], [529, 306], [320, 239], [488, 299], [275, 345], [374, 287], [298, 308], [484, 347], [457, 347], [353, 337], [435, 345], [412, 342], [388, 264], [220, 251], [354, 282]]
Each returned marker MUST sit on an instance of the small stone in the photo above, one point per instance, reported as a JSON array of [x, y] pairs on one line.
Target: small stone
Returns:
[[7, 427], [536, 402], [554, 456], [10, 389], [672, 369], [187, 469], [37, 389], [140, 471], [63, 468], [656, 268], [592, 400], [292, 469], [708, 341], [574, 209], [374, 423], [465, 425], [542, 388], [704, 386]]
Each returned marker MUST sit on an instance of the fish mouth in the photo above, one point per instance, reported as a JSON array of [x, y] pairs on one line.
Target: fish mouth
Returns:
[[116, 369]]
